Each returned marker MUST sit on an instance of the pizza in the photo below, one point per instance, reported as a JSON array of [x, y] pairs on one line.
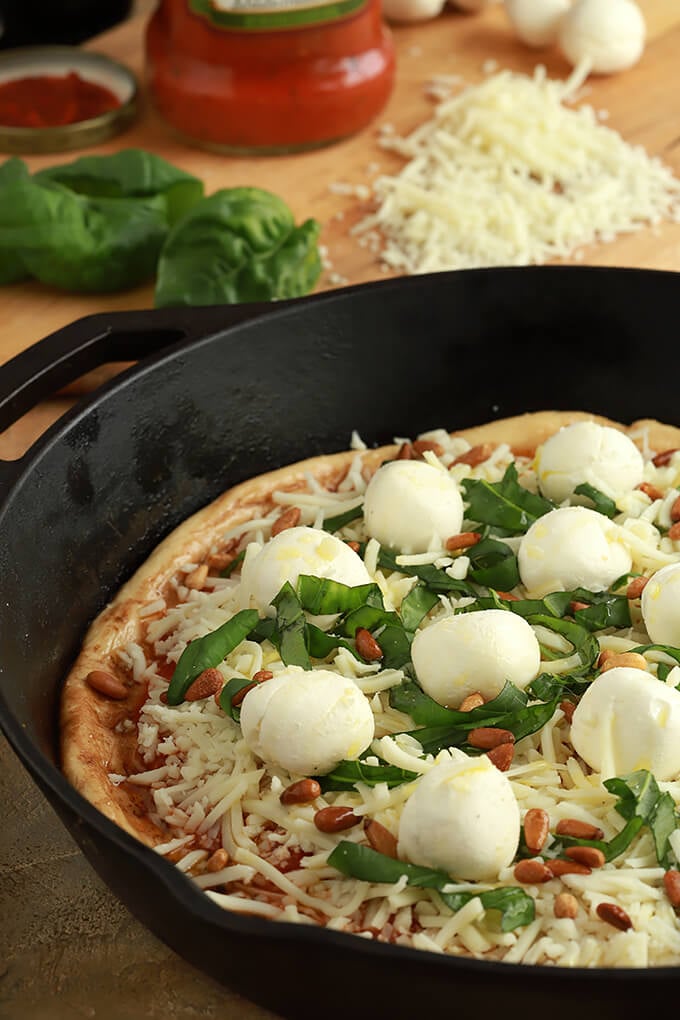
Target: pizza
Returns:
[[426, 693]]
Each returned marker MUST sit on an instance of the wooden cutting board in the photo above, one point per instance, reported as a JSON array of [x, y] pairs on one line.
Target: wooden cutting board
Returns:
[[643, 106]]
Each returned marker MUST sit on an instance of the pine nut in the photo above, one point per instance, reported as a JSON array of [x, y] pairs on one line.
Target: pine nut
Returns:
[[674, 532], [615, 915], [577, 829], [465, 540], [206, 684], [632, 660], [651, 491], [354, 546], [531, 872], [575, 606], [671, 882], [474, 700], [568, 708], [636, 587], [262, 675], [591, 856], [663, 458], [507, 596], [304, 791], [107, 684], [487, 737], [476, 454], [406, 452], [604, 655], [381, 839], [335, 819], [558, 868], [422, 446], [288, 519], [197, 578], [536, 829], [501, 756], [367, 647], [240, 695], [218, 860], [565, 905]]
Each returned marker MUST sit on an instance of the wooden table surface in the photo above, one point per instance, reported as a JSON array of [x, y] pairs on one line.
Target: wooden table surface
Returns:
[[643, 105]]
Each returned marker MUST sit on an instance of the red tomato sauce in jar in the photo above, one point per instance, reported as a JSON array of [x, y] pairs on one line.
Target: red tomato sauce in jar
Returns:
[[247, 76]]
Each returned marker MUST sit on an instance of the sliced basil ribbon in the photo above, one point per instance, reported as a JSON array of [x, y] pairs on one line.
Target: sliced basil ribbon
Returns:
[[515, 905], [208, 652], [505, 505]]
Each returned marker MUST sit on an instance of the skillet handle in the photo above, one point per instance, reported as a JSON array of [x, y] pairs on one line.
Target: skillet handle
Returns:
[[94, 340]]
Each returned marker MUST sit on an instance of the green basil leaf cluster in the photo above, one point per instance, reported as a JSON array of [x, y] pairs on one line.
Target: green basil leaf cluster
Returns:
[[239, 244], [96, 225], [108, 223]]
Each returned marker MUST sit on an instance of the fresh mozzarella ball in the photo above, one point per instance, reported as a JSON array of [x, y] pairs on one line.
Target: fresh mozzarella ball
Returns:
[[412, 506], [608, 33], [660, 605], [628, 720], [468, 652], [293, 552], [537, 22], [587, 452], [306, 721], [572, 547], [462, 817], [411, 10]]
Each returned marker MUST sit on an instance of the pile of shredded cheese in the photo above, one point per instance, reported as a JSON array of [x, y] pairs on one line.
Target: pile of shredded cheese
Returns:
[[506, 174], [208, 791]]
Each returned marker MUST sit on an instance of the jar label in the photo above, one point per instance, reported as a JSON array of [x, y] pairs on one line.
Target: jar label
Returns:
[[273, 14]]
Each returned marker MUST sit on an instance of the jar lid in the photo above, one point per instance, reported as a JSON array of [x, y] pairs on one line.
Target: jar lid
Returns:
[[58, 61]]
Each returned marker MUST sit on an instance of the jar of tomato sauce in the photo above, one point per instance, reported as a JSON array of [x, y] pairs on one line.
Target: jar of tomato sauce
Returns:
[[268, 76]]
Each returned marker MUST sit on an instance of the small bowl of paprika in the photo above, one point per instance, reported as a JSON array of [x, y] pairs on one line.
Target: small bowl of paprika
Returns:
[[56, 98]]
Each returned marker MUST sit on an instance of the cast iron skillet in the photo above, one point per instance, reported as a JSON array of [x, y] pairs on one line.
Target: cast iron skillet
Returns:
[[209, 406]]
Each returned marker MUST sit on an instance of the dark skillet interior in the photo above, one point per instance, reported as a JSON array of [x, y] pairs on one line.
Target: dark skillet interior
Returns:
[[98, 492]]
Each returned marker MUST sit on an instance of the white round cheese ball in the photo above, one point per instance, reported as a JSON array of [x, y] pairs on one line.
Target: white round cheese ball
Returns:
[[628, 720], [469, 652], [293, 552], [608, 33], [536, 22], [412, 506], [462, 817], [587, 452], [572, 547], [306, 721], [660, 605]]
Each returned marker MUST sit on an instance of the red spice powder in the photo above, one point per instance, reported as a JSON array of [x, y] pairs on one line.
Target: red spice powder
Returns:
[[53, 100]]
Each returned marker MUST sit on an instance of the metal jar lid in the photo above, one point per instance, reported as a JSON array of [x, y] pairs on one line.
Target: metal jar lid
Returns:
[[59, 60]]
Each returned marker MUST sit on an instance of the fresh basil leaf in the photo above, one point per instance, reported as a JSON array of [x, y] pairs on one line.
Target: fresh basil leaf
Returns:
[[604, 610], [322, 596], [290, 632], [12, 269], [208, 652], [320, 643], [347, 773], [639, 796], [611, 848], [129, 173], [494, 564], [603, 504], [415, 607], [669, 650], [232, 687], [584, 643], [505, 504], [69, 241], [238, 245], [339, 521], [366, 864]]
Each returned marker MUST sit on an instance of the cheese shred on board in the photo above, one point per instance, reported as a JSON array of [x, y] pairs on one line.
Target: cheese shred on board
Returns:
[[422, 745], [505, 173]]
